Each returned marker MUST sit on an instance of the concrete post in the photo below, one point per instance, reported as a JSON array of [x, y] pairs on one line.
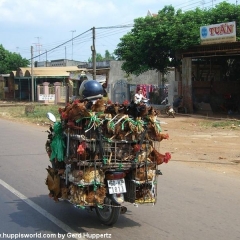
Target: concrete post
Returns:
[[38, 92], [46, 90], [57, 86], [187, 84]]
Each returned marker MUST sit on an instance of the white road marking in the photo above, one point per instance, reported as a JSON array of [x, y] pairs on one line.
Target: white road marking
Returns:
[[50, 217]]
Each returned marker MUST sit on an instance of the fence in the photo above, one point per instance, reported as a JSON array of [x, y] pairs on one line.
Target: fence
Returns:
[[51, 94]]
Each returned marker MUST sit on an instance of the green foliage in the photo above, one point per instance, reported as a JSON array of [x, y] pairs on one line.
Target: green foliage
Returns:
[[108, 56], [153, 42], [99, 58], [11, 61]]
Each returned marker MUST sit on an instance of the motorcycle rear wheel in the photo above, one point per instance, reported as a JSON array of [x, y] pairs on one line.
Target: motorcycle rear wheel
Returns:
[[108, 214]]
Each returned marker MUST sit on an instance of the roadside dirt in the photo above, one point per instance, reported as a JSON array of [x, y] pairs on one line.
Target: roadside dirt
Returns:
[[192, 143]]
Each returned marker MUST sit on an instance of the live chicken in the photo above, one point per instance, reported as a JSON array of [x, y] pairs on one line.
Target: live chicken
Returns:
[[53, 183], [159, 158]]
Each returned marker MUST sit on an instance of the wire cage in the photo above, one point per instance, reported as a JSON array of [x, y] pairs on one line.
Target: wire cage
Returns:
[[91, 153], [109, 150]]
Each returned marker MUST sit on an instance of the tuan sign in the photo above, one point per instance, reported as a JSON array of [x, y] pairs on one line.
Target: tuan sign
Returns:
[[222, 32]]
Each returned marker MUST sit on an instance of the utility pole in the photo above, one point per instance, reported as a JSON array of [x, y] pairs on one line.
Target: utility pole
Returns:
[[39, 47], [73, 31], [32, 74], [65, 54], [46, 57], [93, 54]]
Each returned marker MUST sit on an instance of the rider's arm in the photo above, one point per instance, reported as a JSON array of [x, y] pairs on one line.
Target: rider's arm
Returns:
[[136, 100]]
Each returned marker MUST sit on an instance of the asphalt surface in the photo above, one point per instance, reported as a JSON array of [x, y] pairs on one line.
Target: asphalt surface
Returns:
[[192, 203]]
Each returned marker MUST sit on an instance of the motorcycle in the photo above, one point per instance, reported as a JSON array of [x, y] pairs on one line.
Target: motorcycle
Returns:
[[146, 102], [93, 170], [164, 101], [170, 111]]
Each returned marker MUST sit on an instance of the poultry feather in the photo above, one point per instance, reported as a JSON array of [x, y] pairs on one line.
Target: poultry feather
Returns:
[[159, 137], [147, 147], [159, 158], [64, 112], [153, 112], [98, 106], [64, 190], [142, 110], [81, 148], [144, 173], [78, 110], [53, 183], [96, 197], [82, 151], [136, 148], [110, 109]]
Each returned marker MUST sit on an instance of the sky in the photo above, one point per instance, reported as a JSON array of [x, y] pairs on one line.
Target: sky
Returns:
[[59, 29]]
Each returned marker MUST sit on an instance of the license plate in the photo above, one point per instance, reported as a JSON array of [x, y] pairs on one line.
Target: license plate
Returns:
[[116, 186]]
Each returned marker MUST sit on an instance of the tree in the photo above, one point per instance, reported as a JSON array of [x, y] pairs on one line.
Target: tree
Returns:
[[11, 61], [153, 42], [99, 58], [108, 56]]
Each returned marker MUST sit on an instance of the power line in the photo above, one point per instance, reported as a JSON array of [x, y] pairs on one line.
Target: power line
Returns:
[[82, 40], [118, 26], [110, 31], [62, 44], [193, 5]]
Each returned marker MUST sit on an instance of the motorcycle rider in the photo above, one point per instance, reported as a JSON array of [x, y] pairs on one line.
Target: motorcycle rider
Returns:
[[138, 97], [90, 90]]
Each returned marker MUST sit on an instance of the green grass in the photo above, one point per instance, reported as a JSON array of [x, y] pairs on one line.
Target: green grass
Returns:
[[38, 116], [222, 124]]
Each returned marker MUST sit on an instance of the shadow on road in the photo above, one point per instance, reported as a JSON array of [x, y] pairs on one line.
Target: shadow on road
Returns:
[[76, 219]]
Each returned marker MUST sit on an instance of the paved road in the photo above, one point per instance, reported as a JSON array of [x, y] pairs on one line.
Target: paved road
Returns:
[[193, 204]]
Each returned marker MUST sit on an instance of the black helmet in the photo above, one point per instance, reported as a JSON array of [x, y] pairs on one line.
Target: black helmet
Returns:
[[90, 90]]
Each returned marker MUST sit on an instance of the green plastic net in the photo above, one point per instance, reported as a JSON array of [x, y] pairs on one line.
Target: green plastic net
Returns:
[[57, 144]]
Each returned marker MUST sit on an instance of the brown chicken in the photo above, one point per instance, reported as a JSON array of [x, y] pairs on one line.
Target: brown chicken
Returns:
[[153, 112], [160, 136], [53, 183], [78, 110], [144, 173], [96, 197], [64, 190], [64, 112], [110, 109], [159, 158], [142, 110], [115, 108], [98, 106]]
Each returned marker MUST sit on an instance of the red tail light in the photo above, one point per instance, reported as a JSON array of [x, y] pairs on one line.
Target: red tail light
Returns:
[[115, 175]]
